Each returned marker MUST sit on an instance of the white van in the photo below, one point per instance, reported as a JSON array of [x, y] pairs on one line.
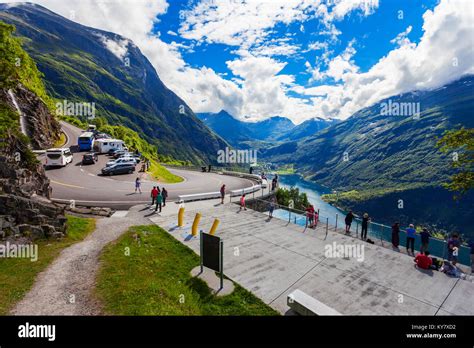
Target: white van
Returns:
[[58, 157], [105, 145]]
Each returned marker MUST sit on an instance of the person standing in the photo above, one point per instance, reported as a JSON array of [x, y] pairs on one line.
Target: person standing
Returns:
[[159, 201], [411, 233], [425, 240], [271, 207], [138, 184], [222, 193], [365, 226], [396, 235], [164, 194], [348, 221], [154, 193], [310, 215], [242, 203]]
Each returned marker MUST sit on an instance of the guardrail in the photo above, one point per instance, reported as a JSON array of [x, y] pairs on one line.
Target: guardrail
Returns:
[[375, 231]]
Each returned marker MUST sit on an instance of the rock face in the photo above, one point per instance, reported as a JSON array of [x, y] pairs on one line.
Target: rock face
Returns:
[[25, 210], [41, 127]]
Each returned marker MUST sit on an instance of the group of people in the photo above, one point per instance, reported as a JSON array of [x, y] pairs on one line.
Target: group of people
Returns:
[[158, 197]]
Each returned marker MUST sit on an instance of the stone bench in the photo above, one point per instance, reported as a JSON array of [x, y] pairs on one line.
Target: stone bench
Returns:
[[303, 304]]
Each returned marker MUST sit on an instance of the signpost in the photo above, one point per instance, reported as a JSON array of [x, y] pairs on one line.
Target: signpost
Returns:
[[212, 254]]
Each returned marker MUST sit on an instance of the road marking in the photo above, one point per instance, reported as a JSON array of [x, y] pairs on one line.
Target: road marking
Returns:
[[60, 183]]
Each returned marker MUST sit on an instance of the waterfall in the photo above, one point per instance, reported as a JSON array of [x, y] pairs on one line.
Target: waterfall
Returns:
[[22, 117]]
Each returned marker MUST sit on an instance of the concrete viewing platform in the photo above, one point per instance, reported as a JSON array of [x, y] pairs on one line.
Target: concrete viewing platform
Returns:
[[272, 258]]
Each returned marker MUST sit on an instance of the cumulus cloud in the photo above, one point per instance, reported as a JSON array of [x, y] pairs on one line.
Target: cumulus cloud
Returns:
[[258, 87], [444, 53]]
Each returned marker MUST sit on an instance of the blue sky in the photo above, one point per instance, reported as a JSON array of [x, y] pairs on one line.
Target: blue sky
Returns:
[[372, 34], [295, 58]]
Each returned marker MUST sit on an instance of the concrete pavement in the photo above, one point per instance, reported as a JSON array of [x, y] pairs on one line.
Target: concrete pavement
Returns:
[[272, 258]]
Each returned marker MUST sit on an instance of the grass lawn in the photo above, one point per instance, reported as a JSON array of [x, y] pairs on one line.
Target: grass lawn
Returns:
[[154, 279], [160, 173], [61, 141], [17, 275]]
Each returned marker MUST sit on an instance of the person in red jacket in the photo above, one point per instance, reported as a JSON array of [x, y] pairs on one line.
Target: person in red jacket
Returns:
[[423, 260], [154, 193]]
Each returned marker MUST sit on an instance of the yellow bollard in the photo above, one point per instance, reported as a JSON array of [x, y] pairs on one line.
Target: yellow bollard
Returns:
[[214, 227], [181, 217], [194, 230]]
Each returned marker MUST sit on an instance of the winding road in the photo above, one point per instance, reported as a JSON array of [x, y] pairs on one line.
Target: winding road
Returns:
[[82, 183]]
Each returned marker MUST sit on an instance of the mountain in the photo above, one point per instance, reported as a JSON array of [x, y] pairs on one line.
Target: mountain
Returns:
[[82, 64], [270, 129], [380, 155], [307, 128], [235, 132]]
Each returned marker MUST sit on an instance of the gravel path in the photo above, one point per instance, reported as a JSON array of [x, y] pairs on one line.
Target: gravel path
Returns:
[[64, 288]]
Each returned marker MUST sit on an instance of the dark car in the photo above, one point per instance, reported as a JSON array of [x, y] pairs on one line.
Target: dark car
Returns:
[[112, 151], [121, 168], [90, 158]]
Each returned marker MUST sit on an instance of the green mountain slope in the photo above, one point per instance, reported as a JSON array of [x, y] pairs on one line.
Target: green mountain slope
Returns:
[[79, 67]]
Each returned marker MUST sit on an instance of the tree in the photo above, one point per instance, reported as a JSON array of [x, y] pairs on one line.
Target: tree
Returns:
[[460, 144]]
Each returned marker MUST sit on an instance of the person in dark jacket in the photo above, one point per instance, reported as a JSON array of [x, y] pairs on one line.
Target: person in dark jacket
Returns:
[[365, 226], [425, 240], [396, 235], [164, 194], [348, 221]]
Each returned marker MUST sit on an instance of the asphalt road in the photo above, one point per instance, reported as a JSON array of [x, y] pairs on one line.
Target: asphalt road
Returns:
[[82, 183]]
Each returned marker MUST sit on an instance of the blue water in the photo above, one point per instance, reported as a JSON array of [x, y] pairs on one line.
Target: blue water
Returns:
[[330, 213]]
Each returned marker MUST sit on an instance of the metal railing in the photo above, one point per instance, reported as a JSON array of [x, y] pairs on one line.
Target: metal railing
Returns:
[[375, 231]]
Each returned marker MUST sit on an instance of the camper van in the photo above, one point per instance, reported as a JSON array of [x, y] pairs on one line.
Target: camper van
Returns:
[[58, 157], [105, 145]]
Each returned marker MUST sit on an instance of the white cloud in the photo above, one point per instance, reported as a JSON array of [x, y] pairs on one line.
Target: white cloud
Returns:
[[401, 39], [444, 53], [259, 88], [118, 47]]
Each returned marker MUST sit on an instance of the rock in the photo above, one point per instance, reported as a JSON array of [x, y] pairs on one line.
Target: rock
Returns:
[[48, 230]]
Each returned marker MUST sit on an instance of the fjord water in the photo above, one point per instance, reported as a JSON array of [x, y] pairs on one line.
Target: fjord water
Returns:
[[314, 193]]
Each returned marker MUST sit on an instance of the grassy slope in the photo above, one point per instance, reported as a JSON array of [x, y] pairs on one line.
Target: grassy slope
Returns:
[[153, 278], [17, 276]]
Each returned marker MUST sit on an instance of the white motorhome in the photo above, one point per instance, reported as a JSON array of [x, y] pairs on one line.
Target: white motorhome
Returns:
[[58, 157], [105, 145]]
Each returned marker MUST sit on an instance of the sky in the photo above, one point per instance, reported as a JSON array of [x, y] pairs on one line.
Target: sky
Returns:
[[294, 58]]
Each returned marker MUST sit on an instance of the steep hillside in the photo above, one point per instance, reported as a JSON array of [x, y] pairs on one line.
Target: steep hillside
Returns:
[[79, 67], [24, 189]]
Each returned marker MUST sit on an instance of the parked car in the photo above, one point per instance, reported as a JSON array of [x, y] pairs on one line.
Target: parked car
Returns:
[[112, 151], [90, 158], [132, 156], [121, 160], [120, 168], [119, 153]]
